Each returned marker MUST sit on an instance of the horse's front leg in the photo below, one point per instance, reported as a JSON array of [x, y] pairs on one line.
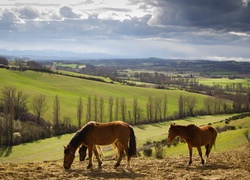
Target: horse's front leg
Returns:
[[190, 154], [97, 156], [200, 153], [90, 148]]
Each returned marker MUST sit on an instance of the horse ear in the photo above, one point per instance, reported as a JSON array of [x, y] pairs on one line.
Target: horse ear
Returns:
[[64, 147]]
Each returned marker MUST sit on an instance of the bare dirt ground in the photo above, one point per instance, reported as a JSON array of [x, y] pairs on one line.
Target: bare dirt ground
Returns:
[[228, 165]]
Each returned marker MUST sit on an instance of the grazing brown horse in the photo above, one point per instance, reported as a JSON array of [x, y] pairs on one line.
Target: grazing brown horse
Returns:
[[83, 149], [195, 137], [94, 133]]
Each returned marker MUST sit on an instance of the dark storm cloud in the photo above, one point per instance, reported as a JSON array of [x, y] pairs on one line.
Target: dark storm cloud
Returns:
[[229, 15]]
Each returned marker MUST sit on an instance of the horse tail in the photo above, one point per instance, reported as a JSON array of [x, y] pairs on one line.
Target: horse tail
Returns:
[[214, 137], [132, 142]]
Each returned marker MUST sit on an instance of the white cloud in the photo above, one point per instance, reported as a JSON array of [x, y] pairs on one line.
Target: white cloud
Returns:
[[28, 12], [162, 28], [240, 34]]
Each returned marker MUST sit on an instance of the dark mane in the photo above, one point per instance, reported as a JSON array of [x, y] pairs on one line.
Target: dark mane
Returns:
[[76, 141], [192, 126]]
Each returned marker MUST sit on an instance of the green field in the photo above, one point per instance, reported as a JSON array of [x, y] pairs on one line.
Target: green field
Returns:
[[70, 89], [224, 81], [52, 148]]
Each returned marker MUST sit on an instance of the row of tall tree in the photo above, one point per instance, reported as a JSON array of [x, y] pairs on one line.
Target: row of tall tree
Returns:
[[14, 107], [16, 118]]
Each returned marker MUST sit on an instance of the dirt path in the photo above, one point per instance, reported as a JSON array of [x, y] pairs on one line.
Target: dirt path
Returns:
[[229, 165]]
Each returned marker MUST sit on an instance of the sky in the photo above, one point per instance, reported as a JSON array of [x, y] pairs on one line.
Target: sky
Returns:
[[176, 29]]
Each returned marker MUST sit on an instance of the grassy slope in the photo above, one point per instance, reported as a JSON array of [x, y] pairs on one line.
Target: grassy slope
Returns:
[[70, 89], [52, 148]]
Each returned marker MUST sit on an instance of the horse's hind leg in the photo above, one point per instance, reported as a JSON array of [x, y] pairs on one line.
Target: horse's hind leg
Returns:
[[99, 150], [208, 149], [200, 153], [128, 161], [121, 153], [114, 150], [190, 154]]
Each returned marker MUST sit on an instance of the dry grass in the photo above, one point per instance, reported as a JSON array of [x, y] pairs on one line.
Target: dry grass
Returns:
[[227, 165]]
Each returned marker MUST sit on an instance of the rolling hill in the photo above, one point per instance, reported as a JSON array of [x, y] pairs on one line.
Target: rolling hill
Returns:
[[70, 89]]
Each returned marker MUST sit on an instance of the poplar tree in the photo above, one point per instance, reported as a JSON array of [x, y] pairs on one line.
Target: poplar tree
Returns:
[[79, 112], [111, 109]]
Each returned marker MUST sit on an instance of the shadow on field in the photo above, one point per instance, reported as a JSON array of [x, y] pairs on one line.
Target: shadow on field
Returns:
[[5, 151], [101, 173], [142, 127], [204, 167]]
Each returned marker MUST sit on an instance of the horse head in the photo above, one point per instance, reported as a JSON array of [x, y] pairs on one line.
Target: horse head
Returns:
[[69, 156], [171, 132], [82, 152]]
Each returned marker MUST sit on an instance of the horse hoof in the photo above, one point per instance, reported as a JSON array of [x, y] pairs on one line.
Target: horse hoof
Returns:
[[89, 166], [100, 165], [116, 165]]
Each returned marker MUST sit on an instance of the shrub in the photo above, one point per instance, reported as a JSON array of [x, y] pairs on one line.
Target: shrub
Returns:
[[247, 135], [147, 152], [175, 142], [159, 151], [231, 128], [147, 143]]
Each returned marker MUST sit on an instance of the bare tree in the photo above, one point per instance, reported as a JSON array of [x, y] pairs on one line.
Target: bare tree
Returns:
[[95, 107], [217, 105], [79, 112], [165, 103], [191, 103], [89, 109], [150, 108], [39, 106], [56, 112], [8, 100], [101, 105], [111, 109], [117, 108], [208, 102], [158, 109], [181, 107], [238, 101], [135, 111], [20, 104], [123, 109]]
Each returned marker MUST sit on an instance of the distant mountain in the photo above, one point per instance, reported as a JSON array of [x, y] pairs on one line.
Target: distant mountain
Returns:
[[55, 55]]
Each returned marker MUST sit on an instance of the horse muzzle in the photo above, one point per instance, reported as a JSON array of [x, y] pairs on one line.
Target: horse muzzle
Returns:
[[66, 165]]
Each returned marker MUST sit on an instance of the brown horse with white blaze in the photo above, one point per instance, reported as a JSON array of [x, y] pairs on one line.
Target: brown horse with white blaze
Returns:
[[94, 133], [195, 137]]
